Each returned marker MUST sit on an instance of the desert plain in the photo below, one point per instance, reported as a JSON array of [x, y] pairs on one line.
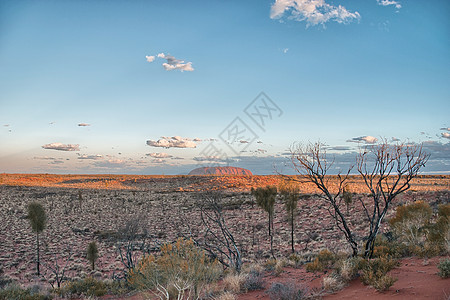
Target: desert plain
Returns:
[[85, 208]]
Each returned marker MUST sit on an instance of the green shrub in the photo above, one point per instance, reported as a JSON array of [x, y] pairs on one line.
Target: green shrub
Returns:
[[324, 260], [182, 268], [374, 272], [15, 292], [347, 269], [270, 265], [85, 287], [444, 268], [287, 291], [438, 238], [410, 224]]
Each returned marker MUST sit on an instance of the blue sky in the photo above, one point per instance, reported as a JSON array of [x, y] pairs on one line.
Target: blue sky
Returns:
[[337, 70]]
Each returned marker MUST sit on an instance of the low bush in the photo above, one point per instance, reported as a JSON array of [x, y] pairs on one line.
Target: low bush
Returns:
[[181, 269], [234, 283], [444, 268], [324, 260], [254, 281], [332, 283], [347, 269], [270, 265], [88, 286], [15, 292], [374, 272], [287, 291]]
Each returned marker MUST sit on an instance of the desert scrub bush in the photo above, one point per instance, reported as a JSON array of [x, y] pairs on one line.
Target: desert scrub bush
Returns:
[[226, 296], [333, 283], [295, 260], [438, 238], [444, 268], [234, 283], [15, 292], [181, 269], [270, 264], [254, 280], [88, 286], [390, 247], [374, 272], [410, 224], [324, 260], [347, 269], [287, 291]]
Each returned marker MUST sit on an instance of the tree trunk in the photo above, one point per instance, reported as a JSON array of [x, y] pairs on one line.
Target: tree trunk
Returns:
[[292, 232], [37, 252]]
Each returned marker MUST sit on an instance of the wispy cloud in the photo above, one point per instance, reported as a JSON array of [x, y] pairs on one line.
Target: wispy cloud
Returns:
[[84, 124], [159, 155], [171, 62], [62, 147], [172, 142], [158, 161], [389, 2], [445, 128], [314, 12], [91, 157], [366, 139], [211, 158]]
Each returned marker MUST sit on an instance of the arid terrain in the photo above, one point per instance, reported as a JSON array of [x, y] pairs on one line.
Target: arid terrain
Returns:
[[85, 208]]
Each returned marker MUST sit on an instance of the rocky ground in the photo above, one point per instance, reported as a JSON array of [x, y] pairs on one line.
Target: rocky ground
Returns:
[[84, 209]]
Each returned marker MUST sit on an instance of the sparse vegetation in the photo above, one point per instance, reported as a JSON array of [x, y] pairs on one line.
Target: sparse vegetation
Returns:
[[181, 269], [324, 260], [287, 291], [444, 268], [374, 272]]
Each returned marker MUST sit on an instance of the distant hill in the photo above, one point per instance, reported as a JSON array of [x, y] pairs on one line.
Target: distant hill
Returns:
[[220, 171]]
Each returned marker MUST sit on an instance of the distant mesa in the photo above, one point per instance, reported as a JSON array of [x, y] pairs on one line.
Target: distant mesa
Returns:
[[220, 171]]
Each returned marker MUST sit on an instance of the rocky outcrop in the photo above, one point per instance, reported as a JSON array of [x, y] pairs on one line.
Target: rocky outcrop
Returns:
[[220, 171]]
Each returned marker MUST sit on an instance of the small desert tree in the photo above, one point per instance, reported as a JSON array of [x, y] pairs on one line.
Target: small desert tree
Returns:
[[387, 171], [290, 196], [92, 253], [265, 198], [38, 220]]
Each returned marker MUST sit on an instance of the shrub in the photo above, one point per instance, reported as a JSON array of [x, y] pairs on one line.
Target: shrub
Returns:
[[270, 265], [226, 296], [347, 269], [324, 260], [444, 268], [234, 283], [286, 291], [374, 272], [332, 283], [182, 268], [410, 222], [15, 292], [254, 281], [85, 287], [438, 239]]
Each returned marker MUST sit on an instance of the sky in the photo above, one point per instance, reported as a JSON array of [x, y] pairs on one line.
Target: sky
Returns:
[[163, 87]]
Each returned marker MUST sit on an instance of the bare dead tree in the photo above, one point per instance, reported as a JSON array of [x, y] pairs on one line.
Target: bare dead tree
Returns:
[[57, 270], [387, 171], [311, 161], [132, 243], [217, 239]]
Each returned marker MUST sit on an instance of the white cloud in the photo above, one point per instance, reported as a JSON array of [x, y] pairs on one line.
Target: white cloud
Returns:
[[159, 155], [84, 124], [172, 142], [285, 50], [93, 157], [445, 135], [314, 12], [172, 63], [366, 139], [389, 2], [445, 128], [62, 147]]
